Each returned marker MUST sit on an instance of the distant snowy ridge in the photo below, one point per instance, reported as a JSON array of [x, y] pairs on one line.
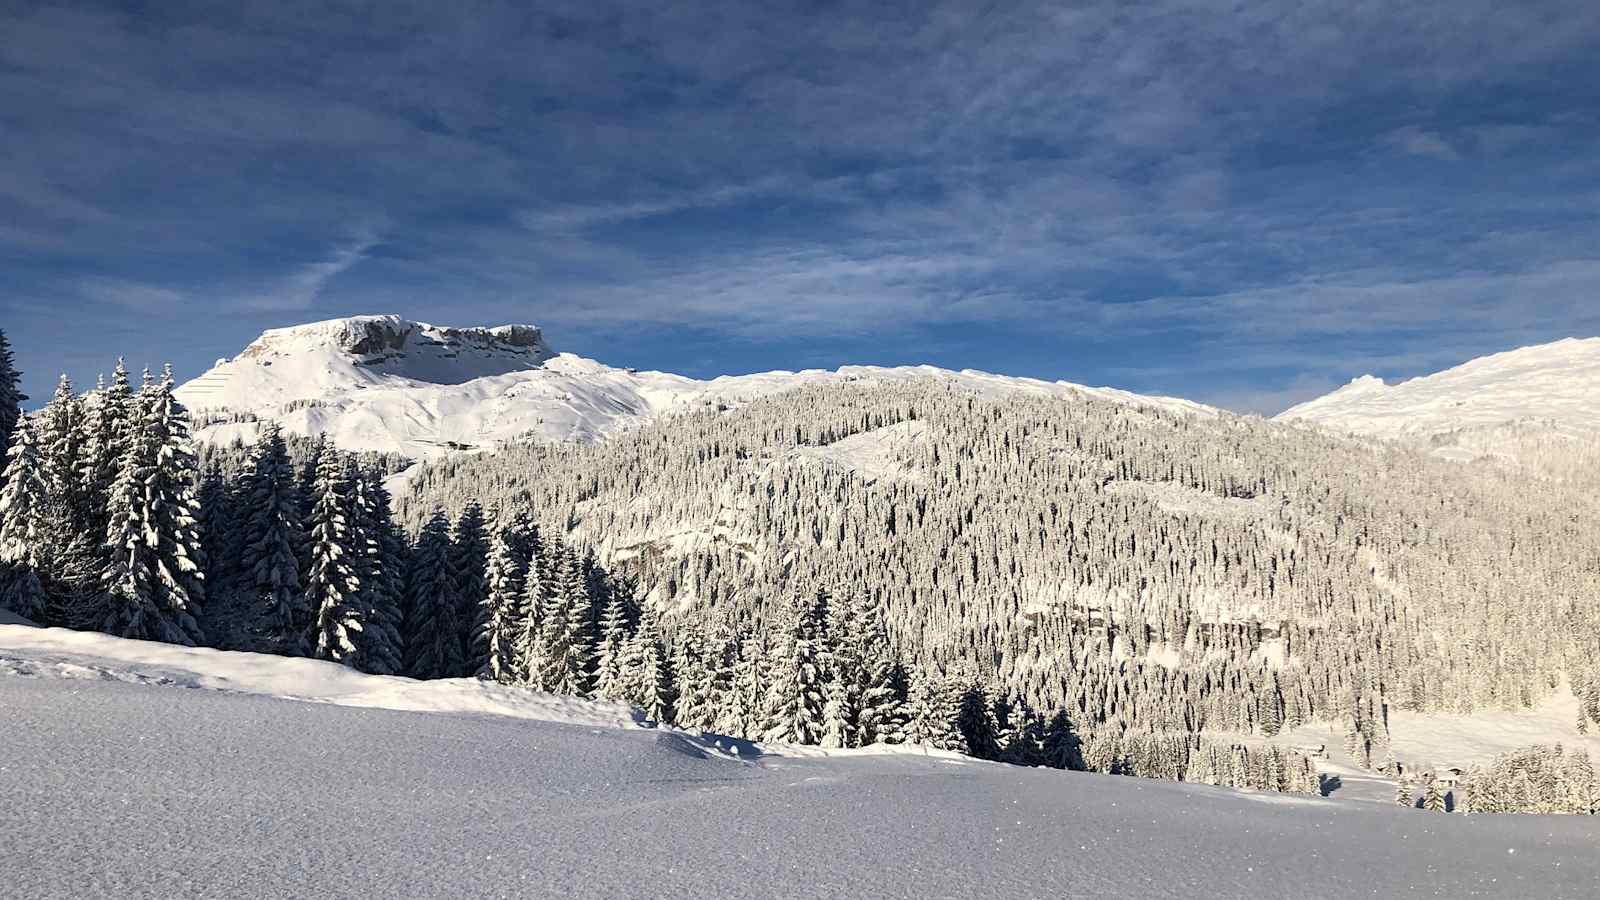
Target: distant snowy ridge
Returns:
[[389, 384], [1553, 385]]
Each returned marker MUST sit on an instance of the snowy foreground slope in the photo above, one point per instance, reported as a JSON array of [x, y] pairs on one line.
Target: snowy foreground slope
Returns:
[[384, 383], [119, 781], [1550, 383]]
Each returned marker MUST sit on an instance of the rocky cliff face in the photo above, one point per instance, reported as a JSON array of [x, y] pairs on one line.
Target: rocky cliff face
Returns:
[[366, 337]]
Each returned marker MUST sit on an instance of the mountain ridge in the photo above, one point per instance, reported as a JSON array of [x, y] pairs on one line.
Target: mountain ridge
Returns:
[[391, 384], [1556, 382]]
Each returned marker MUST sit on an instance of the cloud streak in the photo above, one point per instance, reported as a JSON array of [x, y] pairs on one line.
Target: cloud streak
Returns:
[[304, 287]]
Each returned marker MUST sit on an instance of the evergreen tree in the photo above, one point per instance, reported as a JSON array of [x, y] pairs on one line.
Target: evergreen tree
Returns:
[[333, 588], [275, 611], [220, 538], [154, 580], [1062, 749], [72, 580], [975, 721], [111, 426], [63, 432], [610, 680], [24, 501], [742, 706], [500, 613], [11, 397], [381, 565], [796, 693], [648, 674], [932, 717], [563, 645], [1402, 793], [880, 681], [1432, 799], [469, 559], [24, 524], [433, 605], [527, 650], [836, 715], [306, 482], [695, 707]]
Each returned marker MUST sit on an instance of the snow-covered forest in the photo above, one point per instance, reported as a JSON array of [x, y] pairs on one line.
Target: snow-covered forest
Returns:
[[1075, 582]]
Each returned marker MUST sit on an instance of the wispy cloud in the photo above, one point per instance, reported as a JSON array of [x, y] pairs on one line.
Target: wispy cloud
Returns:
[[130, 295], [1223, 186], [303, 288], [1418, 142]]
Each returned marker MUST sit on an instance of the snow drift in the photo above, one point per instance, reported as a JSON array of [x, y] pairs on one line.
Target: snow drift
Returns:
[[129, 787]]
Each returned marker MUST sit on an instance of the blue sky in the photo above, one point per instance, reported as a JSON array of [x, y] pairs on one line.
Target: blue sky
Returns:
[[1246, 204]]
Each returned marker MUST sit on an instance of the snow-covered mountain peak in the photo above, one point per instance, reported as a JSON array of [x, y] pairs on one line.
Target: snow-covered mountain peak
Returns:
[[1556, 383], [1364, 384], [390, 384]]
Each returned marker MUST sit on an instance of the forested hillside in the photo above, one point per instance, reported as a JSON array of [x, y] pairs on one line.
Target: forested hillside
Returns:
[[1146, 570]]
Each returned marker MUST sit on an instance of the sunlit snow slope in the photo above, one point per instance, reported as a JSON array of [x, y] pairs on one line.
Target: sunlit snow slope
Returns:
[[1557, 384], [385, 383], [124, 776]]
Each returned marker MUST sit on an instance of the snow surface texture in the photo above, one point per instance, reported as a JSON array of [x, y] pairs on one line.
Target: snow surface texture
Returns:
[[1550, 383], [384, 383], [122, 786]]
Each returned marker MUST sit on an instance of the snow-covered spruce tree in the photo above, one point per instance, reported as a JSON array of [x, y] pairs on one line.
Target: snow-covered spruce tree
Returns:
[[1589, 708], [647, 673], [11, 396], [1432, 799], [975, 720], [1024, 740], [305, 481], [72, 582], [720, 657], [837, 713], [527, 648], [796, 692], [610, 676], [564, 643], [500, 613], [24, 500], [333, 587], [845, 654], [469, 558], [111, 425], [1062, 749], [879, 679], [695, 707], [154, 577], [433, 603], [380, 560], [1402, 793], [275, 611], [63, 432], [742, 705], [24, 524], [220, 539], [932, 715]]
